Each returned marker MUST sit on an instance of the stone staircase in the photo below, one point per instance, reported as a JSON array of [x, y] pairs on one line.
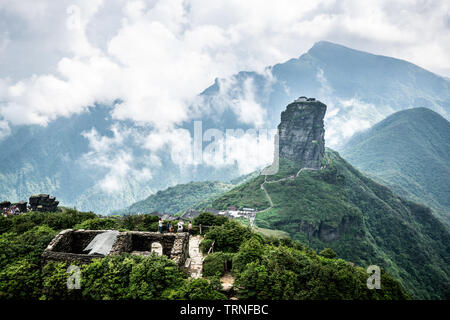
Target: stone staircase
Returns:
[[194, 264]]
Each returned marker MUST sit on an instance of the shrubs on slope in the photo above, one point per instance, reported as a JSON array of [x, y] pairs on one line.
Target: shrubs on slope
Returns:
[[263, 268], [126, 277], [215, 264], [284, 269], [229, 236]]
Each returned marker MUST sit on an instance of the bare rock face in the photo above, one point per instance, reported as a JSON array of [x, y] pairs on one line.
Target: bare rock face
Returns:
[[301, 132], [44, 203]]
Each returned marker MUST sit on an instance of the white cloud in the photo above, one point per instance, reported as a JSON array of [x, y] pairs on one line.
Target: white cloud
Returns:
[[346, 117], [115, 154], [4, 129], [4, 41], [250, 151], [154, 57], [176, 142], [161, 54], [241, 100]]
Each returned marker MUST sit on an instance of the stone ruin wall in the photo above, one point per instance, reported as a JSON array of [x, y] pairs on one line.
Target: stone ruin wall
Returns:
[[68, 245]]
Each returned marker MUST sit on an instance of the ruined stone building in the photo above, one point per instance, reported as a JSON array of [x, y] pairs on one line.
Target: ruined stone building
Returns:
[[71, 245]]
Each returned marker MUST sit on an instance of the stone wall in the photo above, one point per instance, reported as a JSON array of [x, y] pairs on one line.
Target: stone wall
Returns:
[[142, 241], [180, 249], [68, 245]]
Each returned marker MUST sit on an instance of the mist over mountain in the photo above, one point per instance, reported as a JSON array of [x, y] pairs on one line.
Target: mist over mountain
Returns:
[[408, 151], [95, 162], [359, 88]]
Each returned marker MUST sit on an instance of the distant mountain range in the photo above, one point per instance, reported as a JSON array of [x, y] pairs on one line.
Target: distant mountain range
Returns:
[[409, 152], [359, 88]]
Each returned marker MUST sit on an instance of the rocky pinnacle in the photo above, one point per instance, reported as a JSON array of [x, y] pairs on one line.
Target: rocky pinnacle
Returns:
[[301, 132]]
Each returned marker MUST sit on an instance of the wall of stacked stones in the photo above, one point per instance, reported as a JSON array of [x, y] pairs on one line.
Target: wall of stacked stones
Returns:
[[68, 245]]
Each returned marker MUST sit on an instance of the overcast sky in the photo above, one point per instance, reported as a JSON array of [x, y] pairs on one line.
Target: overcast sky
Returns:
[[58, 57]]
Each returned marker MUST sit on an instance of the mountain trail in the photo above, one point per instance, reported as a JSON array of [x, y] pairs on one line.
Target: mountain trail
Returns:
[[195, 259], [227, 281], [290, 177]]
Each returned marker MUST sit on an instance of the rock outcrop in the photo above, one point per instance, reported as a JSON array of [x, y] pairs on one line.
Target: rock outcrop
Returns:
[[301, 132], [5, 204], [44, 203]]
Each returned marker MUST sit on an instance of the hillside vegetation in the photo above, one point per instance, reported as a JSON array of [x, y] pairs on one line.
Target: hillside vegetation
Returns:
[[409, 151], [363, 221], [264, 268], [179, 198]]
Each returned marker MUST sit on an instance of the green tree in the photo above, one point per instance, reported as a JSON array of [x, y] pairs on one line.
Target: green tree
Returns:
[[328, 253], [5, 224], [28, 245], [197, 289], [109, 278], [250, 251], [229, 236], [215, 263], [98, 224], [20, 279], [153, 275], [54, 283], [209, 219]]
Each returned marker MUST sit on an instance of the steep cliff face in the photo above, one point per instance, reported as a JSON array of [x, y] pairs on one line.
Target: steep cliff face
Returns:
[[301, 132]]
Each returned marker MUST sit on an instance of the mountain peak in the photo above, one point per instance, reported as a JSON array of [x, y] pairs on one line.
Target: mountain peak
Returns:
[[420, 118], [327, 45], [419, 111], [326, 49]]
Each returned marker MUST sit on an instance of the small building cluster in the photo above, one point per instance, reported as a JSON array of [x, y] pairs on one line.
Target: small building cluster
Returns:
[[8, 208], [305, 99], [191, 214], [234, 212], [231, 212], [164, 216], [84, 245], [41, 202]]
